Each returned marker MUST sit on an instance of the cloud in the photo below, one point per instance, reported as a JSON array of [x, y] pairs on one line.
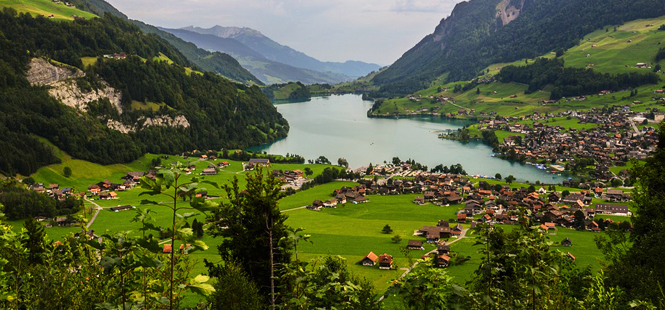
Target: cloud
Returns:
[[369, 30]]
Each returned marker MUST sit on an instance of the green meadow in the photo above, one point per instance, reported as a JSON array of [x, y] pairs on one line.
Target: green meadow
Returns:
[[45, 8]]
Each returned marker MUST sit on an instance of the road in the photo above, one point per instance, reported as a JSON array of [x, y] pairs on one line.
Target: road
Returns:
[[632, 123], [92, 220]]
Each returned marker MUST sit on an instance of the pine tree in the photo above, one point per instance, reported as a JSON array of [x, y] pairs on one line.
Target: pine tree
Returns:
[[33, 240]]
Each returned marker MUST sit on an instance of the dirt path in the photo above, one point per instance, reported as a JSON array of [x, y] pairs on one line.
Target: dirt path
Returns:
[[92, 220]]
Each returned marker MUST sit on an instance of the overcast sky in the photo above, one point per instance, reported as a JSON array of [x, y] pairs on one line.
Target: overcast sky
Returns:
[[377, 31]]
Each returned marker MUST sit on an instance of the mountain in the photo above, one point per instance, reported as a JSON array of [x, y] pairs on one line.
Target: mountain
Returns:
[[284, 54], [204, 60], [268, 71], [481, 32], [102, 90]]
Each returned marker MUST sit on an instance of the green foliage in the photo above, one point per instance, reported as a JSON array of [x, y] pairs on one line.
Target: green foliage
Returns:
[[293, 91], [21, 203], [234, 289], [427, 288], [326, 283], [67, 172], [644, 258], [396, 239], [251, 225], [661, 54], [386, 229], [33, 240], [569, 82], [474, 37], [519, 270]]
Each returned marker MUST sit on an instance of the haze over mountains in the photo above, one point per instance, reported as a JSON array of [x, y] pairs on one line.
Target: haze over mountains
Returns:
[[270, 61]]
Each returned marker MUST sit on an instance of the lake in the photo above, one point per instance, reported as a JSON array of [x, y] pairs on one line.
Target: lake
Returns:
[[337, 126]]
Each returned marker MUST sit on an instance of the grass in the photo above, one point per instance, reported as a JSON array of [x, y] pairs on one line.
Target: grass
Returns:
[[46, 8], [613, 53], [147, 106]]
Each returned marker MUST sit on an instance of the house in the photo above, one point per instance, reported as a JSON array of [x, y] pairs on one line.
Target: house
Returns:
[[62, 221], [461, 217], [167, 248], [419, 200], [209, 171], [369, 259], [567, 242], [415, 245], [611, 209], [443, 249], [260, 162], [360, 199], [442, 261], [554, 197], [121, 208], [385, 261]]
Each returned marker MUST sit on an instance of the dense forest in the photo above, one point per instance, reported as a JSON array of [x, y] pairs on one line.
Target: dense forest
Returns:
[[221, 113], [473, 38], [569, 82]]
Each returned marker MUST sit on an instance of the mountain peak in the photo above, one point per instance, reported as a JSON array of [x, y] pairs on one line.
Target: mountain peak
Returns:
[[226, 32]]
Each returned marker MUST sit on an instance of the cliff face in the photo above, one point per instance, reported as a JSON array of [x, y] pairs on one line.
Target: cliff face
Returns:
[[63, 87]]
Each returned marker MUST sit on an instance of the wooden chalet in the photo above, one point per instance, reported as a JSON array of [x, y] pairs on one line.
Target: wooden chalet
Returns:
[[385, 261], [415, 245], [369, 259], [442, 261]]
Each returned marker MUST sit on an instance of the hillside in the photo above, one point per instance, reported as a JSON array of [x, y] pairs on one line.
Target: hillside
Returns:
[[268, 71], [285, 54], [481, 32], [56, 10], [611, 50], [102, 121]]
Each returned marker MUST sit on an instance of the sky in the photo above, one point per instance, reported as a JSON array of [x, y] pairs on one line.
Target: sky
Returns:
[[377, 31]]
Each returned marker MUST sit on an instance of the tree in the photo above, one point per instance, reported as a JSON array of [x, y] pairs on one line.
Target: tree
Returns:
[[167, 182], [616, 182], [498, 176], [342, 162], [427, 288], [646, 278], [322, 160], [579, 223], [387, 229], [396, 161], [326, 283], [234, 289], [478, 91], [396, 238], [252, 226], [308, 171], [67, 172], [28, 181], [370, 169], [565, 193], [197, 228], [510, 179], [33, 240]]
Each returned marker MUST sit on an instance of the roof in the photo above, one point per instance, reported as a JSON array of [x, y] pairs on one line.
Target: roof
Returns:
[[415, 243], [371, 256], [259, 161], [386, 259], [167, 248]]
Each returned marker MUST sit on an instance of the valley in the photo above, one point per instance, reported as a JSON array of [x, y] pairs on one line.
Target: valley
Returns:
[[512, 159]]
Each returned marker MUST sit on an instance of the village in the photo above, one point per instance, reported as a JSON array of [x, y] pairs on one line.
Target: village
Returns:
[[612, 139], [478, 201]]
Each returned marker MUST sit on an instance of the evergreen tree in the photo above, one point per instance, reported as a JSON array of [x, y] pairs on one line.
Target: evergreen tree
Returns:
[[33, 240]]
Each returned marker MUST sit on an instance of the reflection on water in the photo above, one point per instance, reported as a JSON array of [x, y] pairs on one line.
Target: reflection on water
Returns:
[[337, 126]]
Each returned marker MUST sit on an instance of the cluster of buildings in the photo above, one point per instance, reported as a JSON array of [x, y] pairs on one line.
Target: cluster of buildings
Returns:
[[614, 140]]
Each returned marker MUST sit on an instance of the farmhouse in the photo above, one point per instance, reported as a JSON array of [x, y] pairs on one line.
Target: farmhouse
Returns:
[[385, 261], [611, 209], [369, 259], [209, 171], [260, 162], [442, 261], [415, 245], [567, 242], [121, 208]]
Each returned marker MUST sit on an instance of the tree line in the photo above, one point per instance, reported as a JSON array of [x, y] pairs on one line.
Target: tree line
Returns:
[[570, 82]]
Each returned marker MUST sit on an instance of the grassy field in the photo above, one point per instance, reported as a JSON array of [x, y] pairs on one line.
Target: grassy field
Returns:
[[45, 8], [609, 52]]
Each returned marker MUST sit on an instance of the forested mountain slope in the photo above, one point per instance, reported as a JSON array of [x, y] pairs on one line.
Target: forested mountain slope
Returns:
[[218, 113], [482, 32]]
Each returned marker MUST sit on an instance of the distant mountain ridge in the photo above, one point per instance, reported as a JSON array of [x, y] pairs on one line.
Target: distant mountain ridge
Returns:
[[268, 71], [274, 51]]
